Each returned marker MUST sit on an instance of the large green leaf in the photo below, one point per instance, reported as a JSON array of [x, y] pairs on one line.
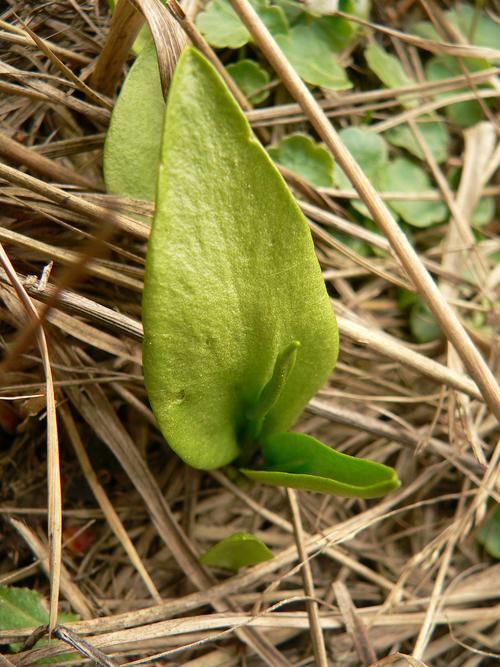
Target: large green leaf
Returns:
[[222, 27], [312, 53], [302, 462], [132, 147], [302, 155], [231, 281], [402, 175], [237, 551]]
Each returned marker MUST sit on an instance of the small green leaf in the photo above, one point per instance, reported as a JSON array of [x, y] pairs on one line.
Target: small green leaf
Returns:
[[423, 324], [489, 534], [463, 114], [302, 155], [370, 151], [387, 68], [132, 147], [435, 133], [249, 77], [402, 175], [312, 55], [484, 212], [231, 279], [291, 9], [24, 608], [222, 28], [337, 32], [302, 462], [476, 26], [237, 551], [21, 608]]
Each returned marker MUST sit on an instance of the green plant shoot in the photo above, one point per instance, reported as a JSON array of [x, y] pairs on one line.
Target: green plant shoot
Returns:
[[239, 332]]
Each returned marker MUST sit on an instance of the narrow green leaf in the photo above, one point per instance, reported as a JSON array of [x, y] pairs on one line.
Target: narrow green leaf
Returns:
[[132, 147], [387, 68], [272, 390], [231, 279], [435, 133], [302, 155], [237, 551], [249, 77], [312, 55], [302, 462], [222, 28], [402, 175]]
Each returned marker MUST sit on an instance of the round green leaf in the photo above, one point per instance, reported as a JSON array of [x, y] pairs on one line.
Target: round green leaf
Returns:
[[368, 148], [305, 157], [249, 77], [231, 279], [301, 462], [370, 151], [475, 25], [312, 55], [423, 324], [436, 136], [132, 147], [463, 114], [337, 32], [237, 551], [402, 175], [484, 212]]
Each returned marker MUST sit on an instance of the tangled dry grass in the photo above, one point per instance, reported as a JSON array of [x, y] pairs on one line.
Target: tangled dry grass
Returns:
[[369, 581]]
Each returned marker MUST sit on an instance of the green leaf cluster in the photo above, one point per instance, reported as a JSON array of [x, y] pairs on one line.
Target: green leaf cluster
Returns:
[[399, 175], [310, 42], [478, 29]]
